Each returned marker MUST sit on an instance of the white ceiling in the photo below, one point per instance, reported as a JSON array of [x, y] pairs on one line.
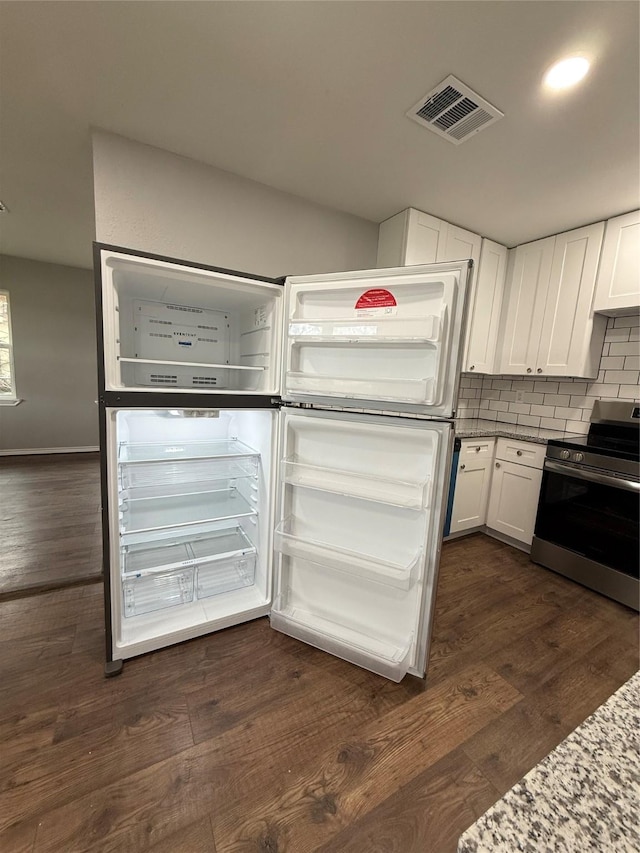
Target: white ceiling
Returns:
[[310, 97]]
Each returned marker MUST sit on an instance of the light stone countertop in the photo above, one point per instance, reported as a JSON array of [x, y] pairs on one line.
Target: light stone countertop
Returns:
[[585, 795], [480, 428]]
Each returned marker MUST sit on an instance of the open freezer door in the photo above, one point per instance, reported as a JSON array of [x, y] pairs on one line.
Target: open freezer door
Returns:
[[357, 543], [389, 339]]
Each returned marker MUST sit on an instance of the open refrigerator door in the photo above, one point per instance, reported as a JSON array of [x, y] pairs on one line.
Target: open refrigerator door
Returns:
[[357, 543], [384, 339]]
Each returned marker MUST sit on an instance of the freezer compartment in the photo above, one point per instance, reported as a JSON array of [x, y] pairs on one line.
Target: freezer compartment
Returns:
[[148, 593], [168, 326], [401, 575], [396, 492], [370, 652]]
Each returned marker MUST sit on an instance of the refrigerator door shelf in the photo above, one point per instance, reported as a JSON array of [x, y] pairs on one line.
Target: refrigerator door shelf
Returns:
[[357, 564], [424, 330], [372, 653], [149, 593], [395, 492], [160, 451], [152, 557], [175, 511], [395, 390]]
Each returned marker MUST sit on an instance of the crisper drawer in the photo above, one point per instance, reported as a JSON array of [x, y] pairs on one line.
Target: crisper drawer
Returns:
[[218, 576], [147, 593], [476, 448], [521, 452]]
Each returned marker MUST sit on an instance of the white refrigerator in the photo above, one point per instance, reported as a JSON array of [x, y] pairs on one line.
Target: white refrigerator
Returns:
[[275, 448]]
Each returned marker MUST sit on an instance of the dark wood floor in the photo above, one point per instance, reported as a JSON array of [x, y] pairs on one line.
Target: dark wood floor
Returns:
[[50, 521], [247, 741]]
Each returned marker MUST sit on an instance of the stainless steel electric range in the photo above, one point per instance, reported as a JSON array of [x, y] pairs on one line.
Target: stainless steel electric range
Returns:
[[587, 526]]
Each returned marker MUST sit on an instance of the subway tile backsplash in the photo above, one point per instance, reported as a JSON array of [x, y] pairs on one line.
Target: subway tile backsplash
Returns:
[[558, 403]]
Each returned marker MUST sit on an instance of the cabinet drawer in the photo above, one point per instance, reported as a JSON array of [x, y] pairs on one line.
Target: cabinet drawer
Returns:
[[521, 452], [477, 448]]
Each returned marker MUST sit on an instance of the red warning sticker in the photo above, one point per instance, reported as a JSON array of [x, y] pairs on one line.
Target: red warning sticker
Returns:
[[377, 300]]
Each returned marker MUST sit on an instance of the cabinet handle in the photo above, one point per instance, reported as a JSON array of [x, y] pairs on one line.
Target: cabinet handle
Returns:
[[478, 449], [472, 367], [497, 464], [462, 467], [528, 370], [539, 370], [519, 452]]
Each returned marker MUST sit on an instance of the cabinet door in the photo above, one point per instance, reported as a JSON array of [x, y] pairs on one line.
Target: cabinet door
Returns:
[[527, 285], [425, 235], [618, 284], [410, 237], [484, 309], [514, 500], [568, 324], [472, 492], [458, 245]]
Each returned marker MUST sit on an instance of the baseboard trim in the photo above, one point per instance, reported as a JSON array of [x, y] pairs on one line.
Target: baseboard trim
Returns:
[[508, 540], [48, 450]]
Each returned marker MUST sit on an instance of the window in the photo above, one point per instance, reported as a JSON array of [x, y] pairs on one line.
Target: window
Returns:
[[7, 379]]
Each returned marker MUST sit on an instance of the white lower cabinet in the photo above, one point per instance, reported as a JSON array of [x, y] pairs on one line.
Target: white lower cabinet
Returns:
[[515, 489], [473, 479]]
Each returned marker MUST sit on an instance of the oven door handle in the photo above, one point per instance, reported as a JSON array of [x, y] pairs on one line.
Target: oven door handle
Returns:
[[591, 476]]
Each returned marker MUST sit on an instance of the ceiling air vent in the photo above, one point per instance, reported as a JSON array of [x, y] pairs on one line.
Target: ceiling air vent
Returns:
[[454, 111]]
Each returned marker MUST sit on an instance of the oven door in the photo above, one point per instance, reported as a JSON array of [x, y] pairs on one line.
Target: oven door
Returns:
[[592, 513]]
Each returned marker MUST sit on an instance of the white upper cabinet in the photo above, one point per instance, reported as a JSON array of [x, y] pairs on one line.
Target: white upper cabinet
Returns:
[[484, 309], [572, 337], [409, 237], [548, 326], [618, 284], [528, 281]]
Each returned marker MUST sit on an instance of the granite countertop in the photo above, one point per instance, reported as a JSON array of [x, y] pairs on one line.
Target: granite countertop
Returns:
[[585, 795], [480, 428]]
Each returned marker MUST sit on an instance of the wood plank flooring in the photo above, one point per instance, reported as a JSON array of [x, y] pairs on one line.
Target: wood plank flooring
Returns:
[[50, 522], [247, 741]]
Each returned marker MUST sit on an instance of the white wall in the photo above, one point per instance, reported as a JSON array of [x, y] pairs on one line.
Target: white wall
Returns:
[[154, 201], [53, 323]]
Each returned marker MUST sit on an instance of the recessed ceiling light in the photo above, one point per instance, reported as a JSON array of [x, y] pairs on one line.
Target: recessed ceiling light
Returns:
[[567, 72]]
